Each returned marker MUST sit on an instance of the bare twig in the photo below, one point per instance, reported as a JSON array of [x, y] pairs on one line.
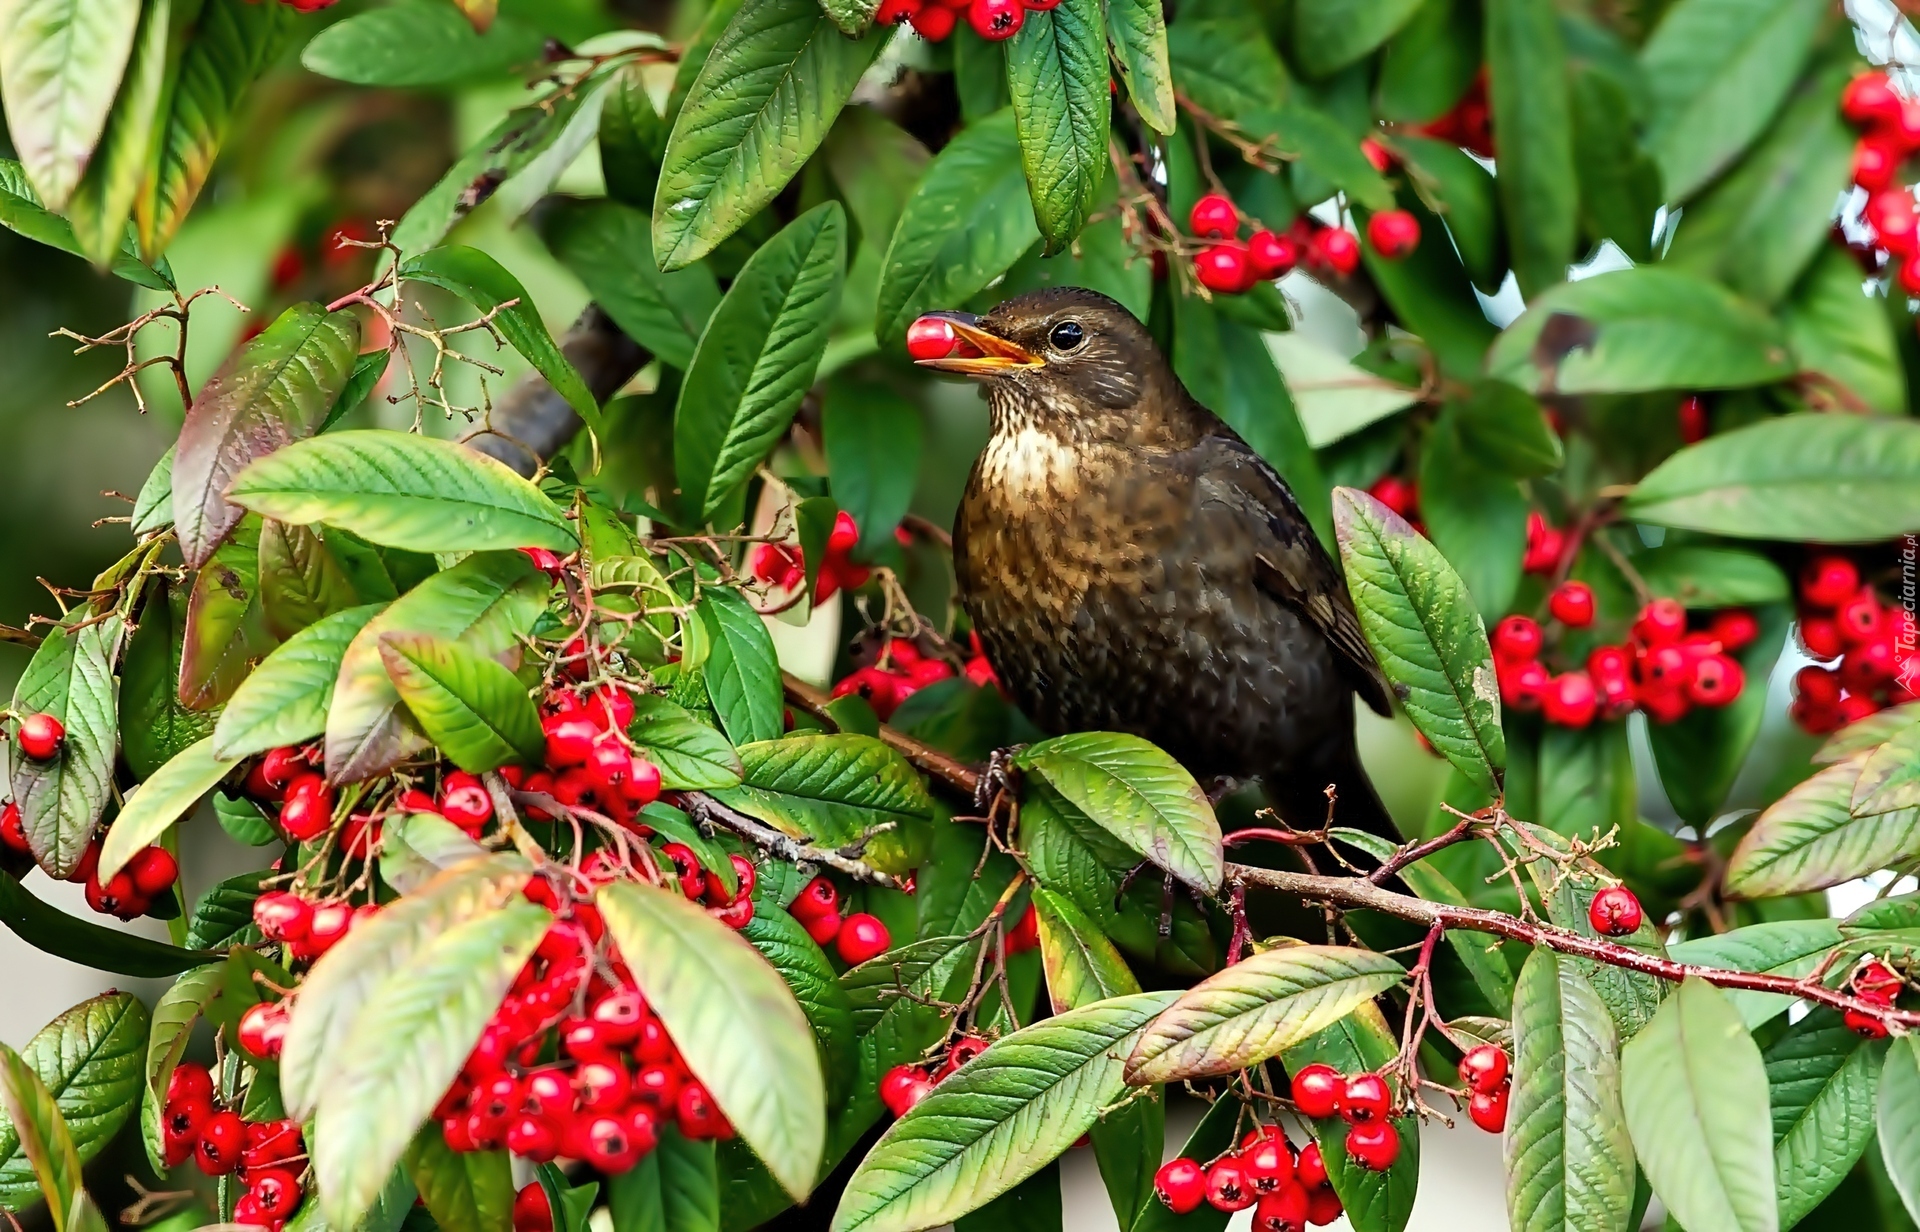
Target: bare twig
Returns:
[[704, 808]]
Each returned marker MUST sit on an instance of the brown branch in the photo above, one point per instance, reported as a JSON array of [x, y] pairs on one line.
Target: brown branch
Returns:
[[955, 774], [1420, 851], [704, 808], [19, 637]]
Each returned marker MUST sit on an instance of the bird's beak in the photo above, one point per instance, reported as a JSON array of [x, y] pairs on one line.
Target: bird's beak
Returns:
[[996, 355]]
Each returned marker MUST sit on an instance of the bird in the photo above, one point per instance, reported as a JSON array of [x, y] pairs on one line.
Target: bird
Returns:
[[1131, 564]]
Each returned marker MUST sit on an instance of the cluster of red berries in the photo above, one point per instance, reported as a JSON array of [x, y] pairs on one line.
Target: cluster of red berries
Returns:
[[1485, 1070], [1615, 912], [619, 1079], [1470, 124], [903, 1086], [784, 565], [902, 670], [1841, 617], [1288, 1191], [307, 927], [590, 760], [269, 1155], [1231, 267], [857, 937], [1362, 1101], [128, 894], [1663, 669], [1891, 127], [1874, 982], [934, 20]]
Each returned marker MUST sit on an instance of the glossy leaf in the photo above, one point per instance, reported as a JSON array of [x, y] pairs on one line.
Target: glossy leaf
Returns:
[[1374, 1201], [1527, 88], [300, 581], [872, 437], [835, 790], [156, 804], [743, 673], [1058, 79], [1226, 64], [762, 104], [1331, 34], [38, 1143], [21, 212], [1868, 733], [155, 725], [1700, 755], [1695, 1091], [1137, 793], [1258, 1008], [285, 699], [153, 506], [1137, 33], [520, 137], [784, 942], [757, 358], [1821, 1079], [609, 247], [1828, 478], [1637, 330], [226, 631], [60, 66], [692, 756], [486, 602], [1081, 964], [474, 710], [418, 45], [966, 223], [223, 917], [87, 1066], [997, 1121], [404, 491], [1426, 632], [1897, 1118], [53, 931], [1888, 780], [1844, 335], [487, 285], [1508, 428], [102, 201], [470, 1191], [736, 1023], [71, 678], [1569, 1160], [1809, 839], [406, 1046], [1704, 576], [1778, 947]]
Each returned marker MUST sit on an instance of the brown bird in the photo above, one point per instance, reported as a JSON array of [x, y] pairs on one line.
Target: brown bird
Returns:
[[1132, 565]]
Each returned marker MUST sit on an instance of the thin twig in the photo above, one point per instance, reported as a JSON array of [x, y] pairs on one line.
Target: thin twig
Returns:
[[704, 808]]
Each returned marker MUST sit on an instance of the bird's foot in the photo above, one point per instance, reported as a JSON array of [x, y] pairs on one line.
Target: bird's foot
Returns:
[[998, 779], [1167, 884]]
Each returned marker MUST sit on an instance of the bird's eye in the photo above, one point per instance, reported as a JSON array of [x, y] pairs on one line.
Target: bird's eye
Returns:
[[1067, 335]]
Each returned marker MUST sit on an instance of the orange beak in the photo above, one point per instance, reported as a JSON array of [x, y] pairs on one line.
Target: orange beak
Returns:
[[996, 355]]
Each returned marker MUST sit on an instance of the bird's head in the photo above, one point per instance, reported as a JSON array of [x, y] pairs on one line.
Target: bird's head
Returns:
[[1067, 360]]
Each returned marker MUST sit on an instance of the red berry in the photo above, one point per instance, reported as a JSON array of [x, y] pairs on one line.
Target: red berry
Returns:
[[308, 810], [1488, 1109], [1829, 581], [1693, 419], [1316, 1091], [41, 735], [1716, 681], [1484, 1067], [892, 13], [1875, 160], [189, 1081], [1334, 248], [822, 928], [1025, 935], [1862, 1023], [1376, 154], [995, 20], [531, 1210], [13, 831], [1398, 494], [329, 923], [1820, 636], [1523, 686], [280, 766], [1572, 604], [899, 1085], [643, 783], [570, 738], [735, 915], [1735, 628], [818, 897], [1819, 685], [1227, 1186], [610, 763], [113, 897], [934, 22], [1877, 981], [1213, 217], [862, 937], [1614, 912], [465, 801], [282, 916], [964, 1049], [657, 1084], [153, 870], [931, 338], [1393, 233], [1311, 1168], [1890, 212], [1224, 267], [1323, 1207], [1869, 99], [180, 1124], [1374, 1145], [263, 1029], [1268, 1164], [222, 1137], [1364, 1097], [1661, 622], [1272, 255], [1860, 618], [1571, 700], [1180, 1184], [697, 1115], [1544, 545], [276, 1190], [602, 1086], [533, 1138], [1282, 1210]]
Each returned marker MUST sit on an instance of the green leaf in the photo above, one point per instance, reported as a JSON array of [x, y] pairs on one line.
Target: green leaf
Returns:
[[1717, 71], [1532, 109], [633, 137], [40, 1151], [757, 358], [738, 1026], [1868, 733], [156, 804], [71, 678], [103, 200], [368, 368], [1429, 64], [53, 931], [486, 602], [783, 942], [1586, 780], [675, 1188], [487, 285], [1477, 952], [1475, 515], [1809, 839], [1757, 228], [342, 987], [1700, 755], [1137, 34], [173, 1017], [692, 756], [1226, 64], [1509, 428], [285, 699], [21, 212], [86, 1065], [743, 672], [1821, 1079], [1426, 632], [1897, 1117], [997, 1121], [471, 1191], [300, 581], [233, 42], [1823, 478], [474, 710], [1057, 76], [872, 438], [508, 147], [419, 45], [1137, 793], [406, 1046], [60, 66], [156, 725], [1256, 1009], [1706, 576], [966, 223], [1637, 330], [1889, 779], [223, 917], [1569, 1160], [1328, 35], [837, 789], [403, 491], [226, 631], [1081, 964], [416, 848], [1846, 335], [153, 507], [609, 247], [1619, 181], [1431, 290], [762, 104], [1695, 1091]]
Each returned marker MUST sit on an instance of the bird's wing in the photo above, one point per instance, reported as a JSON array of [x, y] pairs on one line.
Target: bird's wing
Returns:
[[1289, 564]]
